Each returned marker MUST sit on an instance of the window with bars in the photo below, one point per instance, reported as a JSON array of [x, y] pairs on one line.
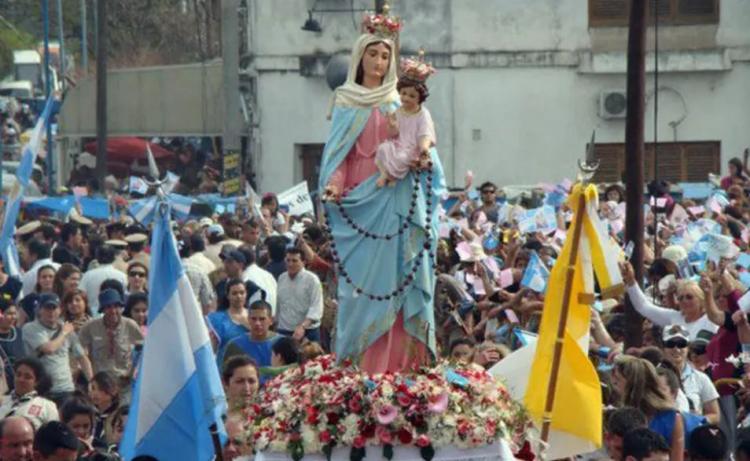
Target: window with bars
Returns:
[[615, 13], [676, 161]]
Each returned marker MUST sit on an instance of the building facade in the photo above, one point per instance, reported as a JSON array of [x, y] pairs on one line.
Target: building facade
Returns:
[[520, 85]]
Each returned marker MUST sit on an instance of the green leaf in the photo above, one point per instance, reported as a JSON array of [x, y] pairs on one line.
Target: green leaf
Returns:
[[357, 454], [388, 451], [427, 453]]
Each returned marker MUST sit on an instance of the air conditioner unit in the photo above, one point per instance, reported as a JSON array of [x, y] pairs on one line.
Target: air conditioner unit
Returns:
[[612, 104]]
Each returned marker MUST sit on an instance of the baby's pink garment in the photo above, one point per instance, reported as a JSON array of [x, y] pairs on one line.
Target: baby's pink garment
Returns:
[[397, 155], [360, 161]]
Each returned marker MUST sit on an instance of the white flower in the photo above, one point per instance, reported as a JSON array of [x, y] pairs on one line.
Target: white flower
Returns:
[[313, 370], [351, 428], [310, 439], [278, 444]]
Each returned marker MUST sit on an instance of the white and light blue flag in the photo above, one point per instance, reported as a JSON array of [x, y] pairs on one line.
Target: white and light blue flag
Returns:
[[178, 393], [23, 176]]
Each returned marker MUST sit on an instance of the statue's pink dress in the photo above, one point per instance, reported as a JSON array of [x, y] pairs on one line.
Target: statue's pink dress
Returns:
[[397, 155], [396, 350]]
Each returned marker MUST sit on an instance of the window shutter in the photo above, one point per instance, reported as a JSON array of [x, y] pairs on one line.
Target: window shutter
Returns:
[[615, 13], [669, 162], [604, 13], [665, 10], [698, 8], [701, 159], [611, 162]]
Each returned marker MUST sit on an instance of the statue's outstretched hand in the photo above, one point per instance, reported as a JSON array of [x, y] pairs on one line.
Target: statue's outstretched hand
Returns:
[[331, 193]]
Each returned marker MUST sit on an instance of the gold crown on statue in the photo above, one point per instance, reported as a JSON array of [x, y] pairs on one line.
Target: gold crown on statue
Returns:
[[382, 25], [416, 69]]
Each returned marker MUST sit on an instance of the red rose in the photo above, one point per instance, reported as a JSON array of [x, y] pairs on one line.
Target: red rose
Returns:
[[368, 431], [359, 442], [312, 415], [355, 406], [295, 437], [325, 437], [332, 417], [423, 441], [404, 399], [404, 436]]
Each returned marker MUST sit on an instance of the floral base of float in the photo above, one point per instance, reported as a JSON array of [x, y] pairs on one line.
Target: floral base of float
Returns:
[[323, 410]]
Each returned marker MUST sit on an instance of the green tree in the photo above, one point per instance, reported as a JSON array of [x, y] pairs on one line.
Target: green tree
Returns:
[[11, 40]]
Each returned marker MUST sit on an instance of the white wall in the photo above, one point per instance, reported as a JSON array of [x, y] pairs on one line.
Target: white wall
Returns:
[[520, 72]]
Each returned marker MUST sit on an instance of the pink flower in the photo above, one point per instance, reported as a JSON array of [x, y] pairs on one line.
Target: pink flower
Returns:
[[386, 414], [438, 403], [384, 435], [422, 441]]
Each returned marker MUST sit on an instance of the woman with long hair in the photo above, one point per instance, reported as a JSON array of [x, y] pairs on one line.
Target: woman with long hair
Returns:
[[136, 308], [104, 392], [45, 280], [66, 280], [137, 277], [639, 387], [76, 308]]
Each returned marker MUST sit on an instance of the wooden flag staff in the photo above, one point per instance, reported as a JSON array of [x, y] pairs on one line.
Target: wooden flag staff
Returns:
[[587, 169]]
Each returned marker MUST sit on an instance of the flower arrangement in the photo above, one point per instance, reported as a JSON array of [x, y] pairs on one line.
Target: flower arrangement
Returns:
[[320, 405], [382, 25]]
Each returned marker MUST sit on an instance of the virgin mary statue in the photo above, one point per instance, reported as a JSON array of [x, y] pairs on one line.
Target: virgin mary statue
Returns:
[[384, 238]]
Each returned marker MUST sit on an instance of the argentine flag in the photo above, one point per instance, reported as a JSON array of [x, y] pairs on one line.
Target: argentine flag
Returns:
[[13, 207], [178, 393]]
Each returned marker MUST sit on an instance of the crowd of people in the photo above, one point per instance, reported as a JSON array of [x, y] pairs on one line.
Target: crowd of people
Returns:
[[73, 323]]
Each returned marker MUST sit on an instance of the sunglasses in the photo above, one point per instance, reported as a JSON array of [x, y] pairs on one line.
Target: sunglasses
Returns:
[[698, 350], [137, 274], [687, 297], [488, 191], [677, 343]]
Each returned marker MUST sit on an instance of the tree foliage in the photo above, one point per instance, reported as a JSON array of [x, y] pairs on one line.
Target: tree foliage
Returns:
[[141, 32]]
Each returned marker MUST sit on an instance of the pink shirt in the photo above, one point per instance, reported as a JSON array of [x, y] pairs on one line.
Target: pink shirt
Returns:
[[360, 161]]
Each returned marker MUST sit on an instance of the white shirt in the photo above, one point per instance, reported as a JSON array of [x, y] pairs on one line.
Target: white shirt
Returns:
[[662, 316], [29, 278], [92, 281], [300, 298], [201, 262], [698, 388], [36, 409], [265, 281]]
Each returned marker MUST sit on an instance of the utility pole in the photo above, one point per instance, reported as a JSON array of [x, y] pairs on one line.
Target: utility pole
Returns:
[[48, 93], [101, 91], [634, 137], [61, 33], [84, 44], [231, 142]]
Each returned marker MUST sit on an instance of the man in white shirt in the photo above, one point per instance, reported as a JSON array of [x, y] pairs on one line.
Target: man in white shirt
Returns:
[[260, 277], [300, 299], [91, 281], [197, 246], [38, 255]]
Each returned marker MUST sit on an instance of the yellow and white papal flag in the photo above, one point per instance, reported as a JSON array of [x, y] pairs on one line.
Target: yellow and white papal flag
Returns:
[[576, 415]]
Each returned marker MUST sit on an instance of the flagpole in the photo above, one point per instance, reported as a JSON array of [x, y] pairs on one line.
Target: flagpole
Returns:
[[557, 354], [588, 167]]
